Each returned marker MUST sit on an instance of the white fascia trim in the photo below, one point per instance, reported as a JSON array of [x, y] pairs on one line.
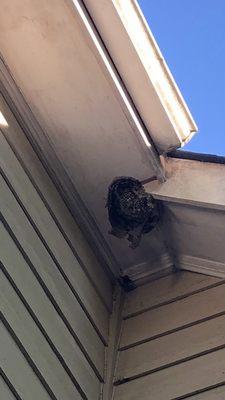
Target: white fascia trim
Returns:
[[163, 80], [194, 183], [201, 265], [141, 273], [122, 94], [130, 42]]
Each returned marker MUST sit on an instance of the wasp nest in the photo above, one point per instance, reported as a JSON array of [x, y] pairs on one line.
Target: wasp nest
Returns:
[[132, 212]]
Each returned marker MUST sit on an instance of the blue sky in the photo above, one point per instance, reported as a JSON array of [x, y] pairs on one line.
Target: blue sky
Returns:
[[191, 36]]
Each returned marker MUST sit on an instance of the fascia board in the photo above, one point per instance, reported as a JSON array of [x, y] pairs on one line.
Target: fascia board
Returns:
[[193, 183], [144, 72]]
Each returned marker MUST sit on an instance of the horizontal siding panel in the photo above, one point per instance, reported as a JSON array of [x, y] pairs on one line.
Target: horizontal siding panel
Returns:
[[177, 381], [47, 316], [171, 348], [164, 290], [213, 394], [53, 237], [173, 316], [6, 393], [34, 343], [18, 371], [51, 277], [24, 150]]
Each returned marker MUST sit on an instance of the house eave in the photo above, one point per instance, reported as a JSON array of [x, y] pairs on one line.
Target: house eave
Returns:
[[144, 71], [193, 182]]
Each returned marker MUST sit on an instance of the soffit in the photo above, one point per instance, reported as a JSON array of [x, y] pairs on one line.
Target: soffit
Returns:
[[85, 134], [81, 119]]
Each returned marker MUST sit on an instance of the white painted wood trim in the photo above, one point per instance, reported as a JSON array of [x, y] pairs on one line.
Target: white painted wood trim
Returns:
[[148, 80], [193, 183], [201, 265], [140, 273], [115, 327], [113, 76]]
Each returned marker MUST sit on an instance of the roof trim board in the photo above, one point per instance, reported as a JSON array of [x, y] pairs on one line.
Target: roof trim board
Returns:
[[189, 155], [120, 89], [191, 183], [146, 271], [144, 71], [201, 265]]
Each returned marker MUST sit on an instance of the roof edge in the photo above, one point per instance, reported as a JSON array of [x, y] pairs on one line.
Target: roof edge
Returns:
[[203, 157], [166, 71], [144, 71]]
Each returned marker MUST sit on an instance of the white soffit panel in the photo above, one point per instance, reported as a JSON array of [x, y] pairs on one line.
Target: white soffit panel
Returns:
[[143, 69]]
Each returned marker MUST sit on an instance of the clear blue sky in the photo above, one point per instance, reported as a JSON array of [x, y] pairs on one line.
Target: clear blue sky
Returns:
[[191, 36]]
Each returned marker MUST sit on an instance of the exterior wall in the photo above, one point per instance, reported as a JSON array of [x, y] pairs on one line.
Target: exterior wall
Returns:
[[56, 302], [172, 343], [55, 298]]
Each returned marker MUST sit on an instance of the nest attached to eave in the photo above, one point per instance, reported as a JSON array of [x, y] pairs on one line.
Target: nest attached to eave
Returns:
[[132, 212]]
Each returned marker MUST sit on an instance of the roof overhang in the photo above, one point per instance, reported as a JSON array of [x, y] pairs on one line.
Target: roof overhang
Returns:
[[144, 72], [88, 91]]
